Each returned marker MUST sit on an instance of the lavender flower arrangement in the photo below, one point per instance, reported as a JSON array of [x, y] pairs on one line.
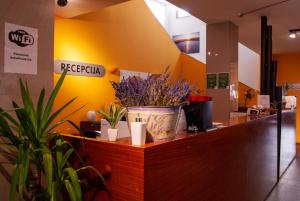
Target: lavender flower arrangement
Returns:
[[156, 90]]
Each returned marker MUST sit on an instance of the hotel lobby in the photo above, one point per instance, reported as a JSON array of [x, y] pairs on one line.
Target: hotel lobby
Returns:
[[149, 100]]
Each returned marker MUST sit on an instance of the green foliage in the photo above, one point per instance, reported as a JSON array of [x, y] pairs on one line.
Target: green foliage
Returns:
[[41, 171], [113, 114]]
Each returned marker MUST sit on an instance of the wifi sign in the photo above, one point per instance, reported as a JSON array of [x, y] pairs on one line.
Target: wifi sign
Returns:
[[21, 38]]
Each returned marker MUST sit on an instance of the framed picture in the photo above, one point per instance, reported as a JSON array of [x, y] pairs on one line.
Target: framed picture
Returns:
[[211, 81], [188, 43], [223, 79]]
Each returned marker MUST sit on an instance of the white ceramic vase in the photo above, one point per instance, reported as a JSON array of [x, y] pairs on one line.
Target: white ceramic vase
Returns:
[[161, 121], [112, 134]]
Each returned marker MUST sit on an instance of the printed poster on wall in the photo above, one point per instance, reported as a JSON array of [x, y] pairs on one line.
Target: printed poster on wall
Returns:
[[211, 81], [20, 51], [188, 43], [223, 80]]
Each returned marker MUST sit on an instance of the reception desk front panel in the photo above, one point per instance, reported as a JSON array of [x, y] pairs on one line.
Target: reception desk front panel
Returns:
[[235, 163]]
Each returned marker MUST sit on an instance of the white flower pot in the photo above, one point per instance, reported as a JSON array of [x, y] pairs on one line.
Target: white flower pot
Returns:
[[161, 121], [112, 134]]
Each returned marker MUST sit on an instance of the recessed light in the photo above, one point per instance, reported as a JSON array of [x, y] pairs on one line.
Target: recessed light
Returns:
[[62, 3], [292, 35]]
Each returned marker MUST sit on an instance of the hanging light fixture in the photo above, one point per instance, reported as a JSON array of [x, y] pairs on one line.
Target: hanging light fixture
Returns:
[[62, 3], [293, 33]]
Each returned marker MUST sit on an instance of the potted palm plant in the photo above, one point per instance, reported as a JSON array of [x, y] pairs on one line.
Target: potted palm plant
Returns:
[[113, 115], [40, 156], [155, 100]]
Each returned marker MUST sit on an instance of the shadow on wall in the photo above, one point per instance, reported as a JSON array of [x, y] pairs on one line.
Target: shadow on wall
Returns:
[[243, 89]]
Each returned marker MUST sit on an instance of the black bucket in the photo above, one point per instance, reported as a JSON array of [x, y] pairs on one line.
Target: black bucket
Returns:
[[198, 113]]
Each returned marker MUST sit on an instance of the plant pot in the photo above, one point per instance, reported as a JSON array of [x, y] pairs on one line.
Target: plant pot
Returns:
[[112, 134], [161, 121]]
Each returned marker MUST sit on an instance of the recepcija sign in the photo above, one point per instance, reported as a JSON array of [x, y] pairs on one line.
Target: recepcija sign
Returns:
[[79, 68]]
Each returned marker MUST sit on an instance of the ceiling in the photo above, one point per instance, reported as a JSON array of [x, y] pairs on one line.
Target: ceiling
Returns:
[[282, 17], [79, 7]]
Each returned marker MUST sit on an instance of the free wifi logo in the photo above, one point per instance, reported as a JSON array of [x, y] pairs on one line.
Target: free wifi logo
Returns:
[[21, 38]]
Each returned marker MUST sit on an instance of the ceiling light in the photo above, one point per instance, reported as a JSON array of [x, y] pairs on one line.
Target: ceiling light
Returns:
[[62, 3], [293, 33]]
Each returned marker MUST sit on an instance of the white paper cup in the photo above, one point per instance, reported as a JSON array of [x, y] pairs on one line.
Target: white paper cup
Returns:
[[138, 133]]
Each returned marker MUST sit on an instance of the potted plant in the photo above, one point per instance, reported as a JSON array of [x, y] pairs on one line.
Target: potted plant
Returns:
[[155, 99], [113, 115], [285, 88], [41, 161]]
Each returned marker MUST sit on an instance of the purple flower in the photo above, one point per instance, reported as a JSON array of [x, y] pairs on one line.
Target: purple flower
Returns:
[[156, 90]]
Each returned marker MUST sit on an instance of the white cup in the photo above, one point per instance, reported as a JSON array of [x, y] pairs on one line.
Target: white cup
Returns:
[[138, 133]]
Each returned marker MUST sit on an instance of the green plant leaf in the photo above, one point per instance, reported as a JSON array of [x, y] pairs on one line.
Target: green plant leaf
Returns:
[[24, 169], [56, 113], [98, 174], [7, 132], [72, 176], [113, 115], [59, 156], [8, 117], [48, 170], [67, 156], [63, 120], [53, 95], [39, 110], [27, 101], [14, 183], [70, 190]]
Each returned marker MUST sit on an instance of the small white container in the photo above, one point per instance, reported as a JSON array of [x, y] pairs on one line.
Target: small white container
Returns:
[[112, 134], [138, 133]]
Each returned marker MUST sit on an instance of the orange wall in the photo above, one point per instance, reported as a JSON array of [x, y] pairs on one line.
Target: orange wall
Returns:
[[194, 71], [289, 71], [241, 95], [126, 36]]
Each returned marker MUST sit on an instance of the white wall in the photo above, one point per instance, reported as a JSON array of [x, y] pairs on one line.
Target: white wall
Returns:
[[159, 9], [248, 67], [166, 15]]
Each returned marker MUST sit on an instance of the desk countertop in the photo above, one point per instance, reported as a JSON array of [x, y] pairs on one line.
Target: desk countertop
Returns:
[[233, 121]]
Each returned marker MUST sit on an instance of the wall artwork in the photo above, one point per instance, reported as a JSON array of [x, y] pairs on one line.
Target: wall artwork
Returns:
[[211, 81], [124, 74], [223, 79], [20, 51], [188, 43]]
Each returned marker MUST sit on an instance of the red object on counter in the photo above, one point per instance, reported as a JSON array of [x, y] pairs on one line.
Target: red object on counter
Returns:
[[199, 98]]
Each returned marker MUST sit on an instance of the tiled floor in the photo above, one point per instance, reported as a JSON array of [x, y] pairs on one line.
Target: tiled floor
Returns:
[[288, 188]]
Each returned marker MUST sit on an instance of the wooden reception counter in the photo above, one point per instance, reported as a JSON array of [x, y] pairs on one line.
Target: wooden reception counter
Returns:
[[235, 163]]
